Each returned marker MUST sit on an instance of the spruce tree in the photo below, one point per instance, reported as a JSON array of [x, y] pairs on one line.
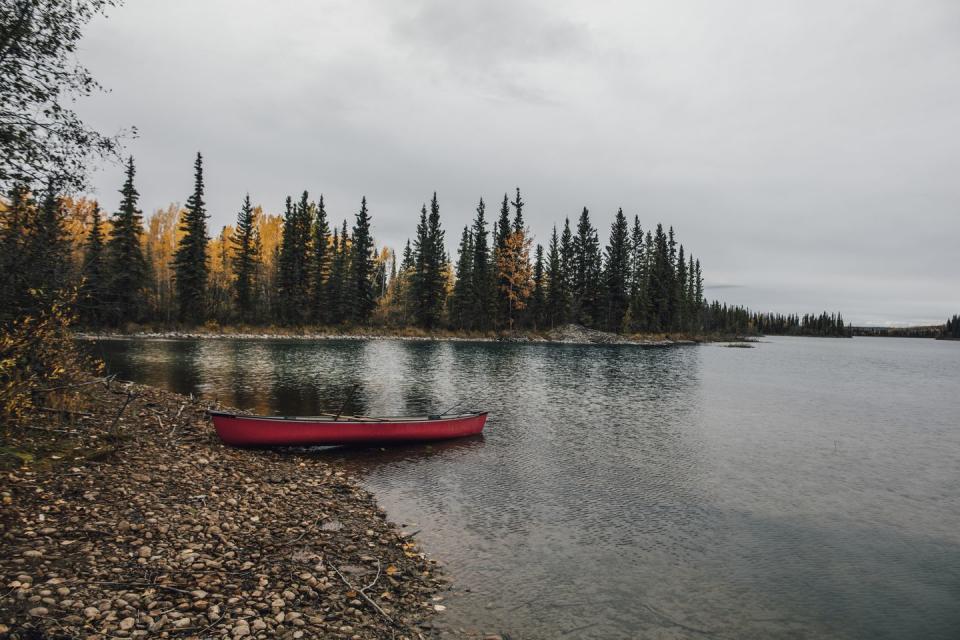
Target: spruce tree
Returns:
[[566, 271], [429, 288], [93, 284], [502, 231], [481, 273], [638, 279], [363, 297], [680, 319], [586, 271], [538, 296], [698, 288], [295, 260], [556, 302], [190, 259], [285, 261], [673, 299], [518, 224], [246, 260], [126, 266], [321, 262], [617, 273], [338, 272], [693, 306], [460, 300], [405, 278], [661, 283], [48, 247]]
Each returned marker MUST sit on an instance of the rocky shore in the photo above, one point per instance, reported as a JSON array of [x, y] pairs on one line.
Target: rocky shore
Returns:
[[132, 520], [566, 334]]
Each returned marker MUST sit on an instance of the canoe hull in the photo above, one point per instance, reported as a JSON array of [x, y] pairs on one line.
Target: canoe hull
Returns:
[[261, 431]]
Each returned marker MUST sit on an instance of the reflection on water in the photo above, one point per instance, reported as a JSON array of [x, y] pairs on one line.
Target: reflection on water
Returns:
[[805, 488]]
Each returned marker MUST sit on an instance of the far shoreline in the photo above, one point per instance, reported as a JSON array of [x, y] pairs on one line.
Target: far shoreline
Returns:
[[568, 334]]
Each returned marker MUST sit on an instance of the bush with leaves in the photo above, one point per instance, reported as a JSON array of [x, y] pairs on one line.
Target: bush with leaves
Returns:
[[40, 361]]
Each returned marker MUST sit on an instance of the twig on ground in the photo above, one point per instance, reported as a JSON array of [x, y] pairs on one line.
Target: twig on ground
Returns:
[[142, 585], [305, 531], [104, 380], [375, 579], [68, 412], [130, 398], [365, 596], [212, 624], [49, 429]]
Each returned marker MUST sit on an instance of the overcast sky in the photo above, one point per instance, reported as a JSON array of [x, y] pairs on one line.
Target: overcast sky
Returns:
[[807, 152]]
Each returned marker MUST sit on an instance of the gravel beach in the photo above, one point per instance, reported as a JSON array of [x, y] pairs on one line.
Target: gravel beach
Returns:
[[138, 522]]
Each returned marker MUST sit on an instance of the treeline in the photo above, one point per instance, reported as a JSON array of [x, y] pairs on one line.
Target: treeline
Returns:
[[932, 331], [825, 324], [302, 269], [951, 330]]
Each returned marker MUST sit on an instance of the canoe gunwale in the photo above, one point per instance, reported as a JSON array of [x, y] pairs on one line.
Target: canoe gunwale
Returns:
[[347, 420]]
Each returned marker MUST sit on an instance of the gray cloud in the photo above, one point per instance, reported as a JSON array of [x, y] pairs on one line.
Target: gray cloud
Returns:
[[805, 151]]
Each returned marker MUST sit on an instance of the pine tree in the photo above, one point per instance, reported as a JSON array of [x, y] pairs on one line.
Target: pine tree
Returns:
[[617, 273], [586, 272], [190, 259], [321, 262], [93, 287], [363, 297], [126, 266], [246, 260]]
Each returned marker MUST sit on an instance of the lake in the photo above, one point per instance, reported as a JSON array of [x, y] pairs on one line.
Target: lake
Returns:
[[804, 488]]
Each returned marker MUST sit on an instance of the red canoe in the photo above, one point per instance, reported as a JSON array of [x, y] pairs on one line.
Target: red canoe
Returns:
[[249, 430]]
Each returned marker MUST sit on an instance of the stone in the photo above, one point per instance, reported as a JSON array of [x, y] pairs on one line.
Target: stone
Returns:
[[39, 612], [128, 623], [144, 552]]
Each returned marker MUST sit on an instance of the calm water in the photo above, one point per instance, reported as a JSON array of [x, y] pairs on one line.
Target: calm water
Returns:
[[804, 488]]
